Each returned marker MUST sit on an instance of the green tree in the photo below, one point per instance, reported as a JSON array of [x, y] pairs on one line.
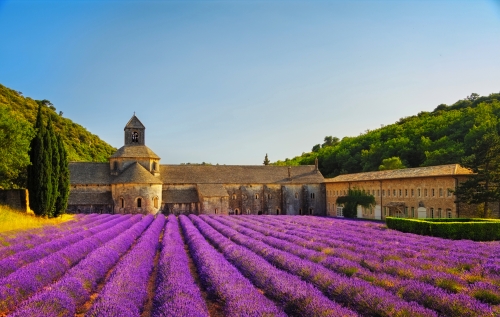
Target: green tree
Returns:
[[330, 141], [355, 197], [316, 148], [483, 187], [63, 180], [392, 163], [53, 147], [266, 160], [15, 133], [37, 174]]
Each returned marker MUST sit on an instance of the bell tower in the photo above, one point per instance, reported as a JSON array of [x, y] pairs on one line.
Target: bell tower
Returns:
[[134, 132]]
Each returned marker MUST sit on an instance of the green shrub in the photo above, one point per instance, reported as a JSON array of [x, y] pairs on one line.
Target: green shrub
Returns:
[[459, 228]]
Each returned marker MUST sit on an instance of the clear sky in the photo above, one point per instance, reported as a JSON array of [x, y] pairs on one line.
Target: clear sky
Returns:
[[229, 81]]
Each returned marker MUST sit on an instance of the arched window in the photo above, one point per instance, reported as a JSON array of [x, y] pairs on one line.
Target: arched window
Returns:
[[155, 202], [236, 211], [310, 211], [154, 166], [135, 137], [256, 196], [277, 211], [248, 211], [139, 202], [234, 197], [122, 202]]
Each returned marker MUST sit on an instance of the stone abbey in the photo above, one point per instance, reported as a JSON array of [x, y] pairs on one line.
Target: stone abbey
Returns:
[[134, 181]]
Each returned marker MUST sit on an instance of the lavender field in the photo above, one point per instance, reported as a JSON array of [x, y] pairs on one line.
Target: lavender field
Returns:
[[133, 265]]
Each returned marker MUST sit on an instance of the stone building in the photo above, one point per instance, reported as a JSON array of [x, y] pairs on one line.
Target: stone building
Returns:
[[423, 192], [134, 181]]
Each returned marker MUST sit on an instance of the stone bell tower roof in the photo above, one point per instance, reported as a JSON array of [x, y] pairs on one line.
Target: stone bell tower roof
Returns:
[[134, 123]]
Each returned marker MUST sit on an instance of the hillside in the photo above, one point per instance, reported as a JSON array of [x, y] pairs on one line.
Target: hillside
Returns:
[[17, 117], [443, 136]]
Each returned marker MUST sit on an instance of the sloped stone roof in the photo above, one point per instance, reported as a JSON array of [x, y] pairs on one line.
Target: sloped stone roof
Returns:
[[134, 123], [136, 174], [135, 151], [180, 196], [428, 171], [89, 173], [77, 198], [238, 174], [212, 190]]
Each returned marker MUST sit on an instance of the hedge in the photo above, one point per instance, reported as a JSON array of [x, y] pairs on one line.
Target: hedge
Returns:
[[456, 229]]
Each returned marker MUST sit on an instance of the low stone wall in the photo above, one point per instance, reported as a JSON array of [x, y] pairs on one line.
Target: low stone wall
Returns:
[[15, 199]]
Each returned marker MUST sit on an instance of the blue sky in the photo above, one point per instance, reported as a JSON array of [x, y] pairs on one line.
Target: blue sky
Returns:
[[229, 81]]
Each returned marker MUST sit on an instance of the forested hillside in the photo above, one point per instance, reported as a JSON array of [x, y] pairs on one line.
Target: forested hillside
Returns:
[[443, 136], [18, 115]]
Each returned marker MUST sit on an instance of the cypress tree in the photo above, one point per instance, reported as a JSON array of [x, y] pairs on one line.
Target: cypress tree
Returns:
[[63, 188], [46, 198], [35, 179], [54, 153]]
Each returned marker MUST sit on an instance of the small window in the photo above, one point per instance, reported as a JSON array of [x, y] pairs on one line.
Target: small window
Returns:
[[248, 211], [433, 192], [236, 211], [277, 211], [439, 213], [310, 211], [313, 196], [268, 196], [155, 202], [154, 166], [412, 193], [418, 191], [440, 192], [139, 203], [394, 192], [340, 212], [122, 202], [234, 197], [432, 212], [300, 211], [135, 137], [400, 193], [425, 192], [115, 165], [406, 192], [256, 196]]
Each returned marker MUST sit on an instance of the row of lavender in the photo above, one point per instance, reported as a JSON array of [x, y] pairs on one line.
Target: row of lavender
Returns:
[[369, 260]]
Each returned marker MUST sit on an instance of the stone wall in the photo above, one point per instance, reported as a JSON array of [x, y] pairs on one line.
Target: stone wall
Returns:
[[15, 199]]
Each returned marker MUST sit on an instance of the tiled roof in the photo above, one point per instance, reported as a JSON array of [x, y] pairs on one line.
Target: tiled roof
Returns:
[[89, 173], [135, 123], [92, 198], [180, 196], [135, 151], [238, 174], [212, 190], [137, 174], [428, 171]]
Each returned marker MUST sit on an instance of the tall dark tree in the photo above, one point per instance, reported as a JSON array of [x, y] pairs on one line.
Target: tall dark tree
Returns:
[[46, 177], [53, 147], [36, 170], [63, 187], [266, 160], [484, 186]]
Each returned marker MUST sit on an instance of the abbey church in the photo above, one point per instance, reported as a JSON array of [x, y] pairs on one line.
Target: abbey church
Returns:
[[134, 181]]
